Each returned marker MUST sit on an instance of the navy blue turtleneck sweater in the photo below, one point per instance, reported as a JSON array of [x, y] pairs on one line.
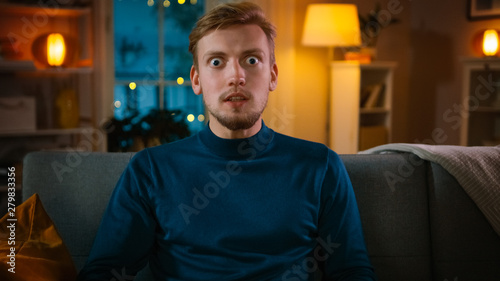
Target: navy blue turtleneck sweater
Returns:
[[269, 207]]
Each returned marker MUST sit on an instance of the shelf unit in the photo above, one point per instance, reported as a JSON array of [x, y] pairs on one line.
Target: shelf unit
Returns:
[[20, 25], [360, 105], [91, 77], [479, 117]]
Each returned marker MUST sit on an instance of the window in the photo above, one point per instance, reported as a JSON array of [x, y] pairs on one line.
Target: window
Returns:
[[152, 61]]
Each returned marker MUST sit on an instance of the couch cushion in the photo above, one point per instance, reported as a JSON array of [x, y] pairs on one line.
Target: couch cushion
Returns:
[[391, 191], [31, 248], [465, 246]]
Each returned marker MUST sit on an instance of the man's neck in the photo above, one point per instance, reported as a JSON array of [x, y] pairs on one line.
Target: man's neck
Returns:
[[225, 133]]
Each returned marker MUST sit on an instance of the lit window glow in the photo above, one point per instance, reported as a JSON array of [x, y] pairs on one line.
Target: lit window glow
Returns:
[[490, 42], [56, 49], [190, 117], [132, 86]]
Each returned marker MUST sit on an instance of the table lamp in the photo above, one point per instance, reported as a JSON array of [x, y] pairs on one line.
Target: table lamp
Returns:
[[337, 25], [331, 25], [54, 50]]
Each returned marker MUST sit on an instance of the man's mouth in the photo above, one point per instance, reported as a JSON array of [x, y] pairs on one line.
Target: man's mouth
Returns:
[[236, 97]]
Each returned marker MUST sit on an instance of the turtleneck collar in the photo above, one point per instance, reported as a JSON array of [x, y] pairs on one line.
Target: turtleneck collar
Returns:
[[237, 149]]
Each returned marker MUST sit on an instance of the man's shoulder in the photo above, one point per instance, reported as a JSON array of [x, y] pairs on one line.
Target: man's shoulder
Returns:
[[302, 147]]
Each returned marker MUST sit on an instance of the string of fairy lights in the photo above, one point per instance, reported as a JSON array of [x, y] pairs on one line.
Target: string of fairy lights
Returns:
[[167, 3]]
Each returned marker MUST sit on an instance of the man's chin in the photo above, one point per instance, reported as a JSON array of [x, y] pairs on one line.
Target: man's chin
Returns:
[[239, 123]]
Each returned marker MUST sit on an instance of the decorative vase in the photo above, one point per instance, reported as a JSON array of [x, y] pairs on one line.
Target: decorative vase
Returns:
[[67, 110]]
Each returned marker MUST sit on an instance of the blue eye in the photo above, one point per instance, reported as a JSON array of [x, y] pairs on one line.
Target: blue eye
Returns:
[[252, 60], [215, 62]]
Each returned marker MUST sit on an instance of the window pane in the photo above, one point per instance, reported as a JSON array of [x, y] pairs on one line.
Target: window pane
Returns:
[[137, 28], [182, 98], [137, 102], [136, 40], [179, 19]]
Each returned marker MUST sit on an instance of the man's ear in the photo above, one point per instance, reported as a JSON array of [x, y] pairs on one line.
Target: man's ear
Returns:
[[195, 80], [274, 77]]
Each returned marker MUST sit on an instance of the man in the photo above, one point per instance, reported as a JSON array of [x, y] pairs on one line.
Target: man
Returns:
[[237, 201]]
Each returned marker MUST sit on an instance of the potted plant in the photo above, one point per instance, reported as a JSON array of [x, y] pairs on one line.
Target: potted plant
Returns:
[[371, 26], [135, 132]]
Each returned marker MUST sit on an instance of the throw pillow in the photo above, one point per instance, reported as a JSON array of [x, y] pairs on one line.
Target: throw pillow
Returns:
[[30, 246]]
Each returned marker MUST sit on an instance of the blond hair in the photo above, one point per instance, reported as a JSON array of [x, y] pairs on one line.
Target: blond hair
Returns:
[[226, 15]]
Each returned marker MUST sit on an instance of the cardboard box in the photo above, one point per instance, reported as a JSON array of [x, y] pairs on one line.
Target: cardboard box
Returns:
[[17, 114]]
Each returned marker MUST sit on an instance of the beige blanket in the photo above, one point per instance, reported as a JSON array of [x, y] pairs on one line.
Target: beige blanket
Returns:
[[477, 170]]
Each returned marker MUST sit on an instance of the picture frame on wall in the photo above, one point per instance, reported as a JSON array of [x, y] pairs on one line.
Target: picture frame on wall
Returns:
[[483, 9]]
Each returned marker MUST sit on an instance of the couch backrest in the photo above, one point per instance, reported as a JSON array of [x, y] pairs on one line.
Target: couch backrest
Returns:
[[465, 245], [411, 210], [393, 203], [75, 188]]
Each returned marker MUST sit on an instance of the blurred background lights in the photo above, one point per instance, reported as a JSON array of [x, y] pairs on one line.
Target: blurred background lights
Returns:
[[201, 117], [190, 117], [132, 85], [193, 2], [151, 3], [180, 80], [181, 1], [166, 3], [118, 104]]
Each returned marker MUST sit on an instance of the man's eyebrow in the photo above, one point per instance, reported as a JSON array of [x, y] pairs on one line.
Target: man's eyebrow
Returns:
[[210, 54], [253, 51], [214, 54]]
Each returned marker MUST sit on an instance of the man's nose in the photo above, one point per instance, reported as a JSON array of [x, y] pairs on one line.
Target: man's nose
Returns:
[[237, 74]]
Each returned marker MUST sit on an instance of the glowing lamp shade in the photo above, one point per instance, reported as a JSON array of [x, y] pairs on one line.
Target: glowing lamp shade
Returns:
[[331, 25], [54, 50], [490, 42]]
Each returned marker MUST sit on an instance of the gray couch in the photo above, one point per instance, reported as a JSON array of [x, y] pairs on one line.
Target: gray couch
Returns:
[[418, 222]]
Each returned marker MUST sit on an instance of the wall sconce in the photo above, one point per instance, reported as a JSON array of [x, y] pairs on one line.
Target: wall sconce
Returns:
[[331, 25], [490, 42], [54, 50], [486, 43]]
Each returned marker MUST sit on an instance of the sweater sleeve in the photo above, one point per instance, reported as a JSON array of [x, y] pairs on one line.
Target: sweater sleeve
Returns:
[[340, 233], [126, 235]]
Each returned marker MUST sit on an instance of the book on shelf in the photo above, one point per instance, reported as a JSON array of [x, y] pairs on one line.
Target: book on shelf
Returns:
[[370, 95]]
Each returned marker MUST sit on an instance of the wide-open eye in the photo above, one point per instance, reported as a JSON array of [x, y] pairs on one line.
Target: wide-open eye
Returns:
[[252, 60], [215, 62]]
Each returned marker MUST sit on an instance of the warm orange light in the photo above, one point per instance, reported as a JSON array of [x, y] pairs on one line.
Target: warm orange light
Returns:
[[490, 42], [331, 25], [56, 49]]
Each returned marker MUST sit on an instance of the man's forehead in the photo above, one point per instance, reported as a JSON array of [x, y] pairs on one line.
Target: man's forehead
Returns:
[[247, 30], [233, 36]]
